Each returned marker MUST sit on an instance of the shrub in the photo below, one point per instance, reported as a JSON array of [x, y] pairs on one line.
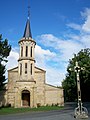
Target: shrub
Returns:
[[8, 105], [38, 104]]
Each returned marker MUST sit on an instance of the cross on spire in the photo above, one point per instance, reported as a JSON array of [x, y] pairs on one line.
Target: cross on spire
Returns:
[[28, 12], [27, 31]]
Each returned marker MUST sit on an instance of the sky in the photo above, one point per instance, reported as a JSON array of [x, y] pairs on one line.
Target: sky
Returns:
[[61, 28]]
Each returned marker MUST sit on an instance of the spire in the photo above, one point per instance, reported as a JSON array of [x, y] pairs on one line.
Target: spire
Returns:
[[27, 31]]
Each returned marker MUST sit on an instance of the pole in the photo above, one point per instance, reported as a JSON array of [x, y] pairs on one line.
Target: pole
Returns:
[[80, 111]]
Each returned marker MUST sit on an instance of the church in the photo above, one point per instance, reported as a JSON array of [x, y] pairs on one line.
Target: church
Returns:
[[26, 85]]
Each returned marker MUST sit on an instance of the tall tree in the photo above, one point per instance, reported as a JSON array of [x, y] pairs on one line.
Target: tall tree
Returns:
[[70, 84], [5, 49]]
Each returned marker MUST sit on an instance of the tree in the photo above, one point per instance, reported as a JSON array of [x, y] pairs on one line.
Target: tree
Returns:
[[69, 83], [5, 49]]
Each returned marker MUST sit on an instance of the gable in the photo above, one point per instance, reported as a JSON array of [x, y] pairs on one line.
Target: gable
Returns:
[[51, 87], [13, 69], [39, 70]]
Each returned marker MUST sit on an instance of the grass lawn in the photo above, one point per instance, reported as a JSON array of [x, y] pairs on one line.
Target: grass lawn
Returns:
[[11, 110]]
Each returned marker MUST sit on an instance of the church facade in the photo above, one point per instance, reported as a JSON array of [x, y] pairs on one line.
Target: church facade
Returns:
[[26, 85]]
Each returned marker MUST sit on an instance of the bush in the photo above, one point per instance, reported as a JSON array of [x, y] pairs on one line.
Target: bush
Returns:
[[38, 104], [47, 105], [53, 104], [8, 105]]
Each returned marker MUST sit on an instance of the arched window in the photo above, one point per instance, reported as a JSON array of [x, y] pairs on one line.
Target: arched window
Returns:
[[26, 51], [21, 51], [20, 68], [31, 69], [25, 68], [31, 52]]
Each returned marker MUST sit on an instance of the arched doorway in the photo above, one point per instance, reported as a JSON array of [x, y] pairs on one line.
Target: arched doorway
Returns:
[[25, 98]]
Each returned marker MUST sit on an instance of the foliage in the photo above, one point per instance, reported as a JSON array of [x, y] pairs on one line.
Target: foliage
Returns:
[[69, 84], [5, 49], [2, 76]]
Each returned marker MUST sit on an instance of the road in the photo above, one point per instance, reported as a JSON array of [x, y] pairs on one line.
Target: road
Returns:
[[65, 114]]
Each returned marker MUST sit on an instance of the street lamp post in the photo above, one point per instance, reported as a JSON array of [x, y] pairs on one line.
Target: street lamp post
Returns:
[[80, 111]]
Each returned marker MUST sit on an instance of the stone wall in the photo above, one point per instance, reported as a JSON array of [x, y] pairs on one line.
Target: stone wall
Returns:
[[53, 95], [12, 78], [40, 83], [40, 93], [31, 87]]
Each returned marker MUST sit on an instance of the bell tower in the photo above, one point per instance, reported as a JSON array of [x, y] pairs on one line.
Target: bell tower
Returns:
[[26, 60]]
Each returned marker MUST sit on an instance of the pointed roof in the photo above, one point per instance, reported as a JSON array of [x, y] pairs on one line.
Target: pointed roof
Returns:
[[27, 31]]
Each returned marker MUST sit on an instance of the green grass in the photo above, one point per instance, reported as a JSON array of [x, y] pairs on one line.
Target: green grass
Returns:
[[4, 111]]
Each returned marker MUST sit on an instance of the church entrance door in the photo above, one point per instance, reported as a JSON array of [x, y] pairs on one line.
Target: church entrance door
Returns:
[[25, 98]]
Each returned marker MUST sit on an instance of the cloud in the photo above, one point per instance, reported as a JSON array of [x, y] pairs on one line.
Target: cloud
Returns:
[[53, 53], [66, 46], [12, 60], [47, 39], [74, 26], [86, 16], [53, 75], [42, 56], [85, 39], [62, 51], [85, 27]]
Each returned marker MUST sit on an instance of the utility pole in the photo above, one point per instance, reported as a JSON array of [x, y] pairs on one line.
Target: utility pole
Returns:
[[80, 111]]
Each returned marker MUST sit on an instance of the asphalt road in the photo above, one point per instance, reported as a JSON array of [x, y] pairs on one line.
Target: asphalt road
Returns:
[[65, 114]]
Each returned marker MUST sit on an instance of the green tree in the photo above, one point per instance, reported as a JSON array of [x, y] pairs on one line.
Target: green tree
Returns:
[[69, 83], [5, 49]]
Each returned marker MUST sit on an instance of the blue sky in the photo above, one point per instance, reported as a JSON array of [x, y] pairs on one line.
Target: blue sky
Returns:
[[59, 27]]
